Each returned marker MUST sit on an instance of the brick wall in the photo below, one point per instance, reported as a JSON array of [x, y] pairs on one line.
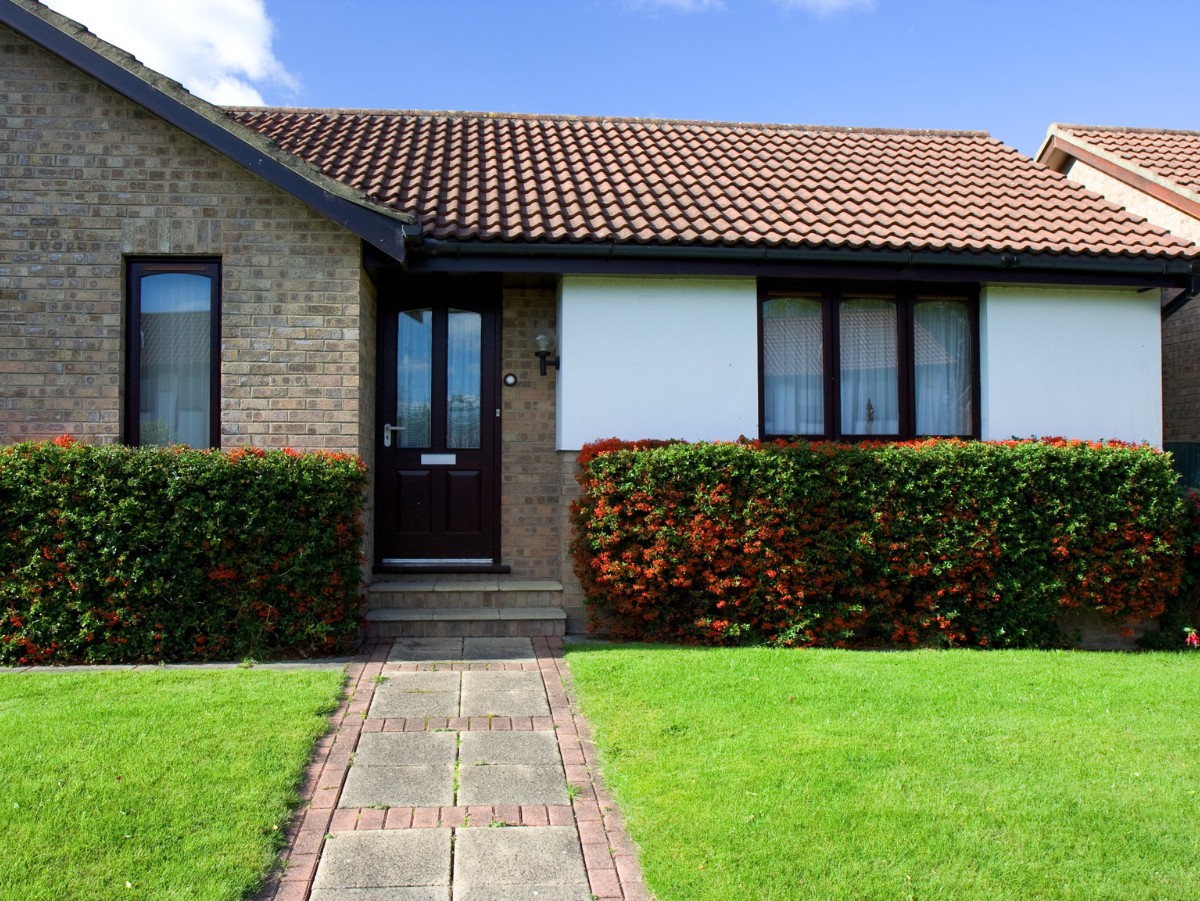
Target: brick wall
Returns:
[[1181, 375], [88, 179], [573, 600], [529, 515]]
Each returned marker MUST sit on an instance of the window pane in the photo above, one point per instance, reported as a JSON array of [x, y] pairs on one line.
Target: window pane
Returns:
[[414, 372], [867, 362], [174, 393], [793, 367], [462, 379], [942, 339]]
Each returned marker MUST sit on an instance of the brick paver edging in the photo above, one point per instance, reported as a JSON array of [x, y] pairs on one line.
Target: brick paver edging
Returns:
[[609, 856]]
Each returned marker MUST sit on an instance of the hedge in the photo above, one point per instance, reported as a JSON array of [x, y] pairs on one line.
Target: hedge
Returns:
[[119, 554], [938, 542]]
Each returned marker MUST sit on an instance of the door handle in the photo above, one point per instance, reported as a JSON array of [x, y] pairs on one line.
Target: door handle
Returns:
[[387, 433]]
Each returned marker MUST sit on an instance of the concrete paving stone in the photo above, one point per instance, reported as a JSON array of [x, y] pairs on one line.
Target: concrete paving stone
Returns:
[[504, 703], [535, 892], [395, 893], [395, 858], [482, 784], [501, 863], [398, 786], [503, 680], [405, 749], [416, 695], [498, 650], [529, 748], [441, 680], [426, 650], [417, 705]]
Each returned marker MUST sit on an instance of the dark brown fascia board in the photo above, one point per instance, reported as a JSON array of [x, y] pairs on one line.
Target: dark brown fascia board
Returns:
[[798, 262], [389, 232], [1057, 151]]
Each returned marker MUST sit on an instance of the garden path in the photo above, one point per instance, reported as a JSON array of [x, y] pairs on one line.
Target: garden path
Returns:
[[457, 770]]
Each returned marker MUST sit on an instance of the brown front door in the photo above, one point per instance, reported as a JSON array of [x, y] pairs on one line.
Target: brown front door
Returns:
[[436, 487]]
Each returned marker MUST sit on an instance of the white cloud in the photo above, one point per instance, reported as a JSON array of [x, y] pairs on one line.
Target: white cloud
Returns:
[[218, 49], [826, 7]]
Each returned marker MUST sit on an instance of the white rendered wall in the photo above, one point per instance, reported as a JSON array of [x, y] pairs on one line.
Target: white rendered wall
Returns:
[[657, 358], [1076, 362]]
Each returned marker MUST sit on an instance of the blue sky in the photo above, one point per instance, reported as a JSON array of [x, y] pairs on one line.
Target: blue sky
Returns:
[[1009, 67]]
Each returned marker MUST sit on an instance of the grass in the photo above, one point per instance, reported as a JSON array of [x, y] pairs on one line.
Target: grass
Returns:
[[764, 773], [165, 784]]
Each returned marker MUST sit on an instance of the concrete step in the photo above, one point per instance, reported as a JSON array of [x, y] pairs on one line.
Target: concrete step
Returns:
[[468, 622], [462, 592]]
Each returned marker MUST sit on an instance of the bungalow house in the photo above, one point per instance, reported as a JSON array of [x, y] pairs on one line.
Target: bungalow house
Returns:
[[1155, 174], [465, 299]]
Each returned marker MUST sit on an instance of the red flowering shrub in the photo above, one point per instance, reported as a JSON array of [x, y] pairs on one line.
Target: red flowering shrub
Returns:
[[872, 544], [144, 554]]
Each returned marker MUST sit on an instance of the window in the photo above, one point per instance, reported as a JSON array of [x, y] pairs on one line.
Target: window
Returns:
[[173, 353], [842, 363]]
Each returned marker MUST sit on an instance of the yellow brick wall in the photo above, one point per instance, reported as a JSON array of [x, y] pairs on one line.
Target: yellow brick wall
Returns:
[[89, 179], [529, 515]]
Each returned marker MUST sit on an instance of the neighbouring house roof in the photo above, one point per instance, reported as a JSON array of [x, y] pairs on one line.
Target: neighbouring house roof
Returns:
[[1173, 155], [482, 177], [1161, 162], [380, 225]]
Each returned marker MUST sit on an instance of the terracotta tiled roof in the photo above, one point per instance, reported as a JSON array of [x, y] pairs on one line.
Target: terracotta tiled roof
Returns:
[[474, 176], [1172, 155]]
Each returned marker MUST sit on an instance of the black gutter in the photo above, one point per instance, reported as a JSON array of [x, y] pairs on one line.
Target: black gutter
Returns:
[[378, 229], [432, 254]]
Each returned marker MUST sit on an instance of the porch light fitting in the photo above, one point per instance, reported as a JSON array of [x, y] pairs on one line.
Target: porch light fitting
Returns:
[[545, 341]]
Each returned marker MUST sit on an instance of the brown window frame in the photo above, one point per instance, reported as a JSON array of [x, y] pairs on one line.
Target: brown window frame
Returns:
[[135, 270], [906, 296]]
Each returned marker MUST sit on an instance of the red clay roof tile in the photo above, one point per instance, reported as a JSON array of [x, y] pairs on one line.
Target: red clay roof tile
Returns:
[[1173, 155], [475, 176]]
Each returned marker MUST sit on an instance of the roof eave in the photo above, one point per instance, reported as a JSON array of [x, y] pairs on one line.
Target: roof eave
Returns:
[[386, 230], [915, 265]]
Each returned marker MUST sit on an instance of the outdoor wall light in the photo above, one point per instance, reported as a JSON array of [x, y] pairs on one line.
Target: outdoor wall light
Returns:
[[545, 347]]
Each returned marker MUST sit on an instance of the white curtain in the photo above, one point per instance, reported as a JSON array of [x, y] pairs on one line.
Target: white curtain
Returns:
[[793, 367], [942, 338], [868, 344], [462, 379], [414, 372], [175, 389]]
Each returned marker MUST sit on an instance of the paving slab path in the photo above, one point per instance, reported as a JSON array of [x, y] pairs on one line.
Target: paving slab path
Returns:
[[457, 770]]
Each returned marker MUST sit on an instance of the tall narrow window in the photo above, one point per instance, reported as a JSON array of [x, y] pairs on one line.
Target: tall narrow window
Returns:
[[868, 359], [462, 379], [414, 378], [943, 367], [793, 366], [173, 353]]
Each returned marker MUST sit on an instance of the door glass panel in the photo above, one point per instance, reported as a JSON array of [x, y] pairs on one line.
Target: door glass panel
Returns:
[[462, 379], [175, 389], [868, 345], [793, 367], [942, 339], [414, 377]]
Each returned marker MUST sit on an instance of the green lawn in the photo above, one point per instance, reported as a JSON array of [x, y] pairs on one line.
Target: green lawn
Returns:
[[176, 782], [764, 773]]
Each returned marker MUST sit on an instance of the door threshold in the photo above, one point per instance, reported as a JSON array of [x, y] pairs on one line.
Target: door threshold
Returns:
[[401, 567]]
